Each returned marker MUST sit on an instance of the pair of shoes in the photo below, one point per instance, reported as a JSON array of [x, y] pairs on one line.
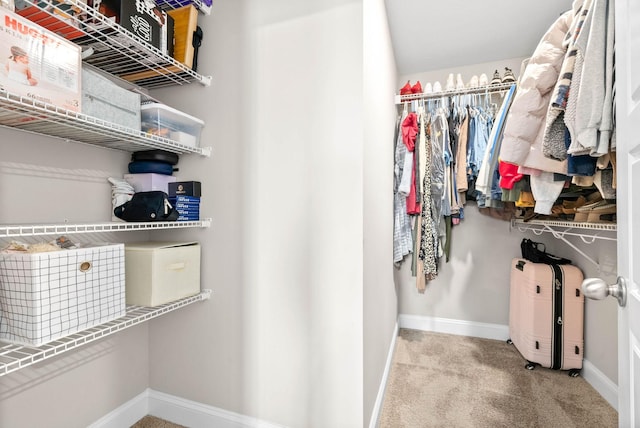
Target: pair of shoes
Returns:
[[603, 213], [407, 89], [458, 85], [473, 83], [484, 80], [556, 211], [571, 207], [496, 78], [437, 87], [450, 83], [582, 213], [508, 76]]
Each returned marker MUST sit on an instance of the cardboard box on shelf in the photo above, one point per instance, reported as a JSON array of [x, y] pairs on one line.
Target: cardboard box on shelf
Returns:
[[185, 188], [185, 23], [143, 19], [38, 64], [148, 182], [59, 16]]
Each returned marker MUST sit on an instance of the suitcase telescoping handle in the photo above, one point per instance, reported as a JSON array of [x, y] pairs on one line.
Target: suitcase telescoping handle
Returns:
[[520, 265]]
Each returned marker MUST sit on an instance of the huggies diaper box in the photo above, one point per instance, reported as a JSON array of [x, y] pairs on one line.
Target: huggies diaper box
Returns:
[[37, 64]]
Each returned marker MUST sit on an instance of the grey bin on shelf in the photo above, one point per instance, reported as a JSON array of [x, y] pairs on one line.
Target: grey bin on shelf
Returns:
[[103, 99]]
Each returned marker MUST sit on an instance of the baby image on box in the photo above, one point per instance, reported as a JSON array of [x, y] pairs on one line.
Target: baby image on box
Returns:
[[38, 65], [18, 67]]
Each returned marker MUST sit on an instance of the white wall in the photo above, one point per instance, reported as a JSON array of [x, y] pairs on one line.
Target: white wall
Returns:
[[380, 300], [305, 228], [281, 340], [197, 353], [47, 180]]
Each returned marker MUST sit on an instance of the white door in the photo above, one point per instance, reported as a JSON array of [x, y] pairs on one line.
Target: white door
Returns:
[[628, 177]]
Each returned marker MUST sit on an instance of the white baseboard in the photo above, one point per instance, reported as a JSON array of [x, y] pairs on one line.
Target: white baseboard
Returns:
[[127, 414], [451, 326], [177, 410], [377, 408], [601, 383], [197, 415], [597, 379]]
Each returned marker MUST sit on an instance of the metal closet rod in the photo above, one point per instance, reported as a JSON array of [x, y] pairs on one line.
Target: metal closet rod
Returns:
[[488, 89]]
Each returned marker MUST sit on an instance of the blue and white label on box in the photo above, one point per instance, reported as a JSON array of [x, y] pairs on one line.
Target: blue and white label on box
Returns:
[[185, 199], [188, 218], [188, 207]]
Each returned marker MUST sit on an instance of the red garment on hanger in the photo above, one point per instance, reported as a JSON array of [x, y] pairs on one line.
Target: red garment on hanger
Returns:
[[409, 134], [508, 174]]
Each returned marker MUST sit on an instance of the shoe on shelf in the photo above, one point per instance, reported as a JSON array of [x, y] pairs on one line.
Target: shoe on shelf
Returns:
[[473, 83], [582, 213], [508, 76], [556, 211], [417, 88], [496, 78], [437, 87], [571, 207], [602, 214], [484, 80], [428, 89], [450, 85], [406, 89], [459, 82]]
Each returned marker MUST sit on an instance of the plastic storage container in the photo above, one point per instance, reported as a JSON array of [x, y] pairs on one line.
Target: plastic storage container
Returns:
[[164, 121]]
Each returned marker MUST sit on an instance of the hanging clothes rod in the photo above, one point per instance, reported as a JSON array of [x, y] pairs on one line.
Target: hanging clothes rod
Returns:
[[480, 90]]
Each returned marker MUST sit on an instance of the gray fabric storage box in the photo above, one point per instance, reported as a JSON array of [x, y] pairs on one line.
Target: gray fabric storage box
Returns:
[[103, 99]]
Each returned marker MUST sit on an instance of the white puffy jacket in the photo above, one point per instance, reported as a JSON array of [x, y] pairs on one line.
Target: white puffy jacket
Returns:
[[524, 129]]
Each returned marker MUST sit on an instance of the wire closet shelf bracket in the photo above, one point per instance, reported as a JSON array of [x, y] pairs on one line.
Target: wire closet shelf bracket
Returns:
[[587, 232]]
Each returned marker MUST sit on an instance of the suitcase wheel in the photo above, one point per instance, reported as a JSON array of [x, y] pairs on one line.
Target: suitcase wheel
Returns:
[[509, 342], [530, 365], [574, 373]]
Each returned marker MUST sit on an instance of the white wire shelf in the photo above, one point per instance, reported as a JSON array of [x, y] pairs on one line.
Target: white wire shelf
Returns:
[[46, 119], [480, 90], [15, 357], [587, 232], [115, 49], [174, 4], [540, 224], [11, 231]]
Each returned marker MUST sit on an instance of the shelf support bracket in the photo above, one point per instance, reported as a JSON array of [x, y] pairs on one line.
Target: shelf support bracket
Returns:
[[561, 237]]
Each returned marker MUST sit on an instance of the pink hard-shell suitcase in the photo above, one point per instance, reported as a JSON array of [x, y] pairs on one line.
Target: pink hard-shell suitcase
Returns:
[[546, 315]]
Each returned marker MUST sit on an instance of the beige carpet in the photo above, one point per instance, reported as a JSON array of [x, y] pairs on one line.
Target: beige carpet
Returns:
[[153, 422], [440, 380]]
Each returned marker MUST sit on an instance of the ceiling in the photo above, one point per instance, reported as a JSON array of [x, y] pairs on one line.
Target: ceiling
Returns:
[[432, 35]]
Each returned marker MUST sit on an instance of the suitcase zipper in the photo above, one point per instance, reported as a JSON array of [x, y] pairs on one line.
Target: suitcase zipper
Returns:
[[556, 351]]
